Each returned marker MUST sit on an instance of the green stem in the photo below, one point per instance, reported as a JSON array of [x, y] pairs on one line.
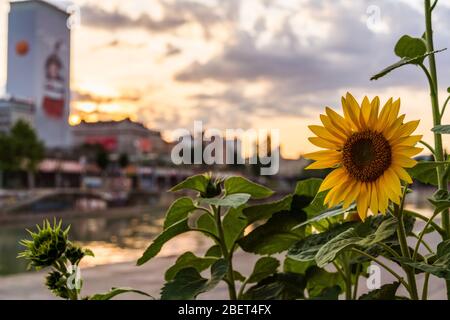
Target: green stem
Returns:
[[445, 106], [421, 217], [395, 274], [241, 290], [401, 233], [439, 156], [358, 273], [348, 278], [427, 145], [228, 256], [419, 240], [425, 244], [425, 286], [389, 249]]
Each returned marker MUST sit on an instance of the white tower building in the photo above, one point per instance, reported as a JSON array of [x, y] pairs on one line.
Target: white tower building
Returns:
[[39, 66]]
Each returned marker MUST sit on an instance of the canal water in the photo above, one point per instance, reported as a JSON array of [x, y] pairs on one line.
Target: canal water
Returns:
[[113, 239], [116, 238]]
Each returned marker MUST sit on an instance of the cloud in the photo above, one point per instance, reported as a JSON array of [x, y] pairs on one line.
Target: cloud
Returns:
[[97, 17], [171, 50], [176, 14], [304, 70]]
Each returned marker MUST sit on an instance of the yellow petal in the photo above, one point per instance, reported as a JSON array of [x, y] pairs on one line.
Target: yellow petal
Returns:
[[393, 113], [402, 174], [383, 117], [354, 192], [365, 112], [403, 161], [407, 141], [383, 201], [406, 151], [374, 199], [362, 202], [332, 128], [407, 128], [323, 133], [324, 155], [338, 121], [323, 164], [392, 182], [390, 132], [341, 191], [374, 106], [333, 179], [322, 143], [351, 111]]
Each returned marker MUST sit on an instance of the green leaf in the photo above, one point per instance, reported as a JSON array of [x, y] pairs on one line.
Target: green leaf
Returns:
[[353, 238], [319, 279], [264, 267], [333, 248], [307, 248], [401, 63], [206, 223], [238, 276], [336, 211], [441, 265], [115, 292], [266, 210], [198, 183], [425, 172], [188, 283], [215, 251], [281, 286], [409, 47], [330, 293], [168, 234], [442, 129], [179, 210], [241, 185], [294, 266], [88, 252], [275, 235], [188, 260], [385, 230], [386, 292], [440, 200], [233, 200], [308, 187], [234, 224]]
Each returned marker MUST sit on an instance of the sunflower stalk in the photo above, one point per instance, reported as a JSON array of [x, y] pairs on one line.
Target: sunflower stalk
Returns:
[[437, 116], [402, 238], [227, 254]]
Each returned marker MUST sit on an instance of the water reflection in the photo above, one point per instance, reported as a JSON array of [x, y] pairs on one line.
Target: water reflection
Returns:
[[112, 239], [123, 238]]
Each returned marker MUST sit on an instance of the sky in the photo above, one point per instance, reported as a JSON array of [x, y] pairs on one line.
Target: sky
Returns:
[[271, 64]]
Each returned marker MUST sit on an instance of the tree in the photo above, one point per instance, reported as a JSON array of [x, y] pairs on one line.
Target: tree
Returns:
[[28, 150], [8, 157]]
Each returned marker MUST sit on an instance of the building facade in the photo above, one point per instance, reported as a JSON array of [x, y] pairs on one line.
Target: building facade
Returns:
[[12, 110], [119, 137], [39, 66]]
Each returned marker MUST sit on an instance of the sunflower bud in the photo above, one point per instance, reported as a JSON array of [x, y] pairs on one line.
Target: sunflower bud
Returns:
[[74, 254], [56, 283], [47, 246], [213, 188]]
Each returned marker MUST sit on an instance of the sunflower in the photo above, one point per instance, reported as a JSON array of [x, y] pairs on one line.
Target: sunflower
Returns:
[[369, 151]]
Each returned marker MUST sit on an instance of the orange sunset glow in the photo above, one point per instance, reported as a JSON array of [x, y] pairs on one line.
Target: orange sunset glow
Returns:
[[234, 64]]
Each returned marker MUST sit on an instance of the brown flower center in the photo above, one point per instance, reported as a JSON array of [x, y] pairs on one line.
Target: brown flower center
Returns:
[[366, 155]]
